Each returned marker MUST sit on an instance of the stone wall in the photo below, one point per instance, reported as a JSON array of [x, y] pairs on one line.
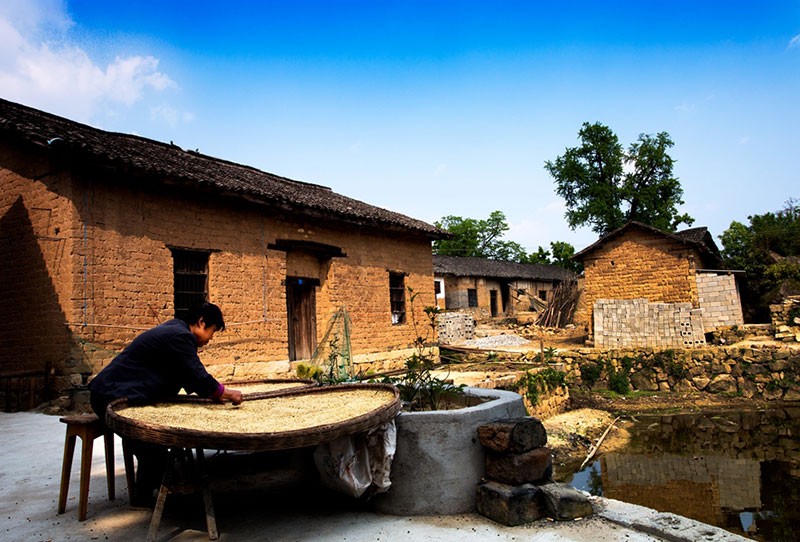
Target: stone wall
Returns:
[[620, 323], [718, 296], [88, 266], [786, 319], [454, 327], [767, 372]]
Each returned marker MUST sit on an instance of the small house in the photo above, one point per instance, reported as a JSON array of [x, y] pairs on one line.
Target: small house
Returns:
[[492, 289], [103, 235]]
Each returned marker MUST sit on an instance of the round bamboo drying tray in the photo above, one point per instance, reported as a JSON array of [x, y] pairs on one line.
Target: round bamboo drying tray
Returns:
[[291, 384], [281, 440]]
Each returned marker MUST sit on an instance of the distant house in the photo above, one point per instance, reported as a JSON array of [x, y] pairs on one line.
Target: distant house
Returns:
[[490, 288], [105, 234], [638, 261]]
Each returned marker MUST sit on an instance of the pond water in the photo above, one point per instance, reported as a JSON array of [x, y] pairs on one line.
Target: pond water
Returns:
[[736, 470]]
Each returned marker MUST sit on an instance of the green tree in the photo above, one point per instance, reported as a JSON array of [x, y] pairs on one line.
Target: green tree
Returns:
[[768, 249], [541, 255], [600, 193], [562, 252], [478, 238]]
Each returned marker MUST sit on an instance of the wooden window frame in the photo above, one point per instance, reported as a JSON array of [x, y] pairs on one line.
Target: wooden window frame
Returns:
[[472, 298], [189, 271], [397, 298]]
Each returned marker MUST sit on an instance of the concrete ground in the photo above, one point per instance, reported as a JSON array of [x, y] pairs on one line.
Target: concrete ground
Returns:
[[30, 471]]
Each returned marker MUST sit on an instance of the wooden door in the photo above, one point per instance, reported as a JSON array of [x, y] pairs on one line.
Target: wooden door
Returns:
[[301, 309]]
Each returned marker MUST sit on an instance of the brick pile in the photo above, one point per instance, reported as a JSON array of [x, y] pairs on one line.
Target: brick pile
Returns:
[[518, 487], [454, 327], [719, 299], [635, 323]]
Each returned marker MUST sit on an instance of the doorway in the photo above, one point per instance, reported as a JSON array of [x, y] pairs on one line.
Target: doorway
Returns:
[[493, 302], [301, 310]]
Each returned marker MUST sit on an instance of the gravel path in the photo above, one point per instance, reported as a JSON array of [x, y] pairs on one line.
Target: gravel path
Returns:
[[497, 340]]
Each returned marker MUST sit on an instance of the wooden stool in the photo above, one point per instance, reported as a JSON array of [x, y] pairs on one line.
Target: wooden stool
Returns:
[[88, 427]]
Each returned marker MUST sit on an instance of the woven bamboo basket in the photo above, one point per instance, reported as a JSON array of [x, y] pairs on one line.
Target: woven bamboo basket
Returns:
[[297, 384], [283, 440]]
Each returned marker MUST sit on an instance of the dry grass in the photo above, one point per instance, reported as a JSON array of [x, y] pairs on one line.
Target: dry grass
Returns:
[[271, 415]]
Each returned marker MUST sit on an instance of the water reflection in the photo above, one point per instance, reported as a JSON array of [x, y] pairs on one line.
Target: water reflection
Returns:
[[736, 470]]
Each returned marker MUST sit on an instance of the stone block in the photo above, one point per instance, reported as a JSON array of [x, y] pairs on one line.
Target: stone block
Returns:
[[700, 382], [563, 502], [723, 384], [510, 505], [516, 435], [516, 469]]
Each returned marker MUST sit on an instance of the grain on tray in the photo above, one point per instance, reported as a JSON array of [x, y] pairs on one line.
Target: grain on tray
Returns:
[[260, 387], [270, 415]]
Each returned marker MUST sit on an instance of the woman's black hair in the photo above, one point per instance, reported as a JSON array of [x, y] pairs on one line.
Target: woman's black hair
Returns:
[[210, 313]]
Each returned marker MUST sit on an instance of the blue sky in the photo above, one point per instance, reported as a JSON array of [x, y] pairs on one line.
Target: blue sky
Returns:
[[433, 108]]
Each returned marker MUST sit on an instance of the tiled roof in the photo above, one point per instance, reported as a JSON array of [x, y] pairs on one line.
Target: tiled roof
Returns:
[[699, 237], [482, 267], [167, 162]]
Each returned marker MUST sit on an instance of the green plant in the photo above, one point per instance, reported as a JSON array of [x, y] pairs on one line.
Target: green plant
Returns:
[[590, 373], [536, 383], [311, 372], [666, 360], [618, 380], [418, 386], [628, 362]]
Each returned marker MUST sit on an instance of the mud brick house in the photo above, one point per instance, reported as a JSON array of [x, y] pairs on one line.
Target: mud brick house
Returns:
[[103, 235], [491, 289], [675, 278]]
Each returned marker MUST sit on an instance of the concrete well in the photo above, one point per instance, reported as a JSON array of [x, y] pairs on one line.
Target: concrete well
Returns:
[[439, 459]]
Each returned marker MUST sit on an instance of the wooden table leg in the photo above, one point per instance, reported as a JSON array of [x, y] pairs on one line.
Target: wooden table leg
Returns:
[[211, 521], [129, 471], [108, 436], [66, 469], [162, 495]]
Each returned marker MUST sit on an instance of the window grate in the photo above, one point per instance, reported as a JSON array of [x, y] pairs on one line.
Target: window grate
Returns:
[[190, 269]]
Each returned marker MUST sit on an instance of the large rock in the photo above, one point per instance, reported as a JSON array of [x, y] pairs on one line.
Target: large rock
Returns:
[[515, 435], [701, 382], [564, 502], [644, 380], [510, 505], [723, 384], [515, 469]]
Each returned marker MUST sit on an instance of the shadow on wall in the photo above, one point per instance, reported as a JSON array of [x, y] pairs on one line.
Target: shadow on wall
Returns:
[[34, 334]]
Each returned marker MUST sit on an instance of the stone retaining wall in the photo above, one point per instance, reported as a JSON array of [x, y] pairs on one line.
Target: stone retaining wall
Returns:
[[767, 372], [786, 319]]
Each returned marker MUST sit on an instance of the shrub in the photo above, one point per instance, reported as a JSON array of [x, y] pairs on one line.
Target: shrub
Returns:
[[590, 373], [618, 380]]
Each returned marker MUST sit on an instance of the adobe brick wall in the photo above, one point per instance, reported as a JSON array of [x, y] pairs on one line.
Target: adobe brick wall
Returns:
[[640, 264], [93, 248], [718, 296]]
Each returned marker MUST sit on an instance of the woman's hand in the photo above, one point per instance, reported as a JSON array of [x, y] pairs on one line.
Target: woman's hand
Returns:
[[234, 396]]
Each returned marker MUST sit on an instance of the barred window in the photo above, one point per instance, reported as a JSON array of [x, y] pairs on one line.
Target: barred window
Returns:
[[190, 270], [472, 297], [397, 297]]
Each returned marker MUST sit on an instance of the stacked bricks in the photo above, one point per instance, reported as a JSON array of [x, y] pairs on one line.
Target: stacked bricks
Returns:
[[635, 323], [718, 296], [786, 319], [454, 327], [518, 487]]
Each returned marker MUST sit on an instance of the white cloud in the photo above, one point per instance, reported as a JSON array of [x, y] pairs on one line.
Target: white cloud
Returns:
[[794, 42], [170, 115], [41, 67]]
